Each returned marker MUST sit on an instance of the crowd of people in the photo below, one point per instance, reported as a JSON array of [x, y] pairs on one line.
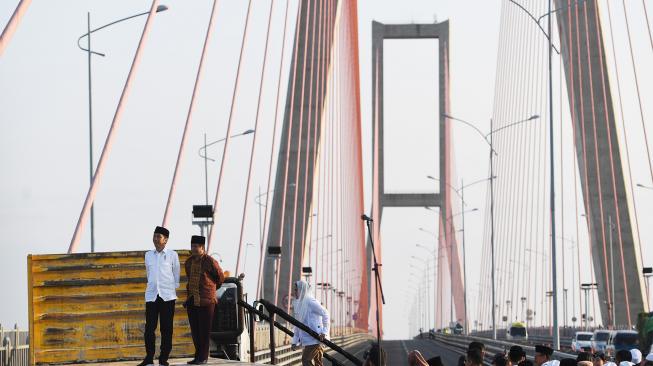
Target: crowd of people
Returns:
[[476, 354], [544, 357]]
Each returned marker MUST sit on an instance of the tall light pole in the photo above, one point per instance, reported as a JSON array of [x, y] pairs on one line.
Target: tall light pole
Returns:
[[462, 200], [206, 158], [461, 193], [554, 280], [260, 230], [586, 287], [490, 142], [89, 53], [433, 253], [462, 213], [648, 272], [565, 297], [554, 261], [426, 285]]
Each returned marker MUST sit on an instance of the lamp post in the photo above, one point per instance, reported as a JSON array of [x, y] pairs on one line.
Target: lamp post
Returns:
[[648, 272], [564, 289], [490, 142], [461, 193], [89, 53], [433, 253], [462, 213], [549, 295], [206, 158], [564, 301], [554, 281], [587, 287], [426, 286]]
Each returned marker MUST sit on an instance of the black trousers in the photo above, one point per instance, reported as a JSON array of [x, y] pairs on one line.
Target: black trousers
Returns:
[[201, 320], [165, 311]]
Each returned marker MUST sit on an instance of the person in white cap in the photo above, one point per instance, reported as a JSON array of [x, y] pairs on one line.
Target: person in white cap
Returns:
[[636, 356], [623, 358]]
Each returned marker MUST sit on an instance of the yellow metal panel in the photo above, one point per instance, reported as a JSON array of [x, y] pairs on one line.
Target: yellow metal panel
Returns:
[[90, 307]]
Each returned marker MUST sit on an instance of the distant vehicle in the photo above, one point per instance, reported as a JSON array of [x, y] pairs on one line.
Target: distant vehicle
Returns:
[[600, 340], [622, 339], [458, 329], [517, 331], [582, 341]]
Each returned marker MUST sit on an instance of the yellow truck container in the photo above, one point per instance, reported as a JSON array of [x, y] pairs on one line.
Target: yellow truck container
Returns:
[[90, 307]]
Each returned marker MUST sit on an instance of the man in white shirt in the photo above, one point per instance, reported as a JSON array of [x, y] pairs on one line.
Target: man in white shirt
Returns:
[[309, 311], [162, 267]]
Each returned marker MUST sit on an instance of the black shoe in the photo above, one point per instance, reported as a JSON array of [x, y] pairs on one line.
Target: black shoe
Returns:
[[200, 362], [145, 363], [192, 362], [164, 363]]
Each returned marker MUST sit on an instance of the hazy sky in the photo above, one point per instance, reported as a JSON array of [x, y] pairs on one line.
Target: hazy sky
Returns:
[[44, 143], [44, 139]]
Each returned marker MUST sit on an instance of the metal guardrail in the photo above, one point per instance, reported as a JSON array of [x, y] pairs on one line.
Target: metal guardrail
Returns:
[[491, 346], [273, 311], [535, 336], [15, 347], [286, 356]]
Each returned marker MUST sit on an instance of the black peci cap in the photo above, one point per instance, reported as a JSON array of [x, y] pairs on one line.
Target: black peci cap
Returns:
[[161, 230], [197, 239]]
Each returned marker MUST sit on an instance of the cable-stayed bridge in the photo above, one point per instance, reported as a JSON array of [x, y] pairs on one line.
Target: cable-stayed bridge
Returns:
[[567, 150]]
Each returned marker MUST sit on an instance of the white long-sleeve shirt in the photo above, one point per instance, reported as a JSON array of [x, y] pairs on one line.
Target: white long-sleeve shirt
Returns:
[[317, 318], [162, 274]]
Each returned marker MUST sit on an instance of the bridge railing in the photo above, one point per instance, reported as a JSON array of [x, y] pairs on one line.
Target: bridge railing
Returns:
[[15, 347], [275, 326]]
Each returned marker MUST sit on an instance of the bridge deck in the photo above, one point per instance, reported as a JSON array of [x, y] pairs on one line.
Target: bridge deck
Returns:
[[397, 351], [173, 362]]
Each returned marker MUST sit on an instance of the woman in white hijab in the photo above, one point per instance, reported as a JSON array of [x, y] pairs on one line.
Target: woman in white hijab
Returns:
[[309, 311]]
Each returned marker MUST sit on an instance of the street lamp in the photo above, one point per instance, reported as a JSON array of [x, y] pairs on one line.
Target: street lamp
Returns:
[[644, 186], [428, 232], [490, 143], [648, 272], [246, 250], [450, 218], [461, 193], [586, 287], [554, 280], [432, 252], [459, 190], [549, 295], [564, 289], [206, 158], [426, 286], [89, 53]]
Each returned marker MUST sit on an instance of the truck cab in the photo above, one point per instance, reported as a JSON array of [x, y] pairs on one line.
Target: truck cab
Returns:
[[622, 339], [517, 330], [600, 340], [582, 342]]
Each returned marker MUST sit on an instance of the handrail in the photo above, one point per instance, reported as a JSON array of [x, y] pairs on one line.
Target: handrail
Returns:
[[263, 316], [273, 309], [253, 310]]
